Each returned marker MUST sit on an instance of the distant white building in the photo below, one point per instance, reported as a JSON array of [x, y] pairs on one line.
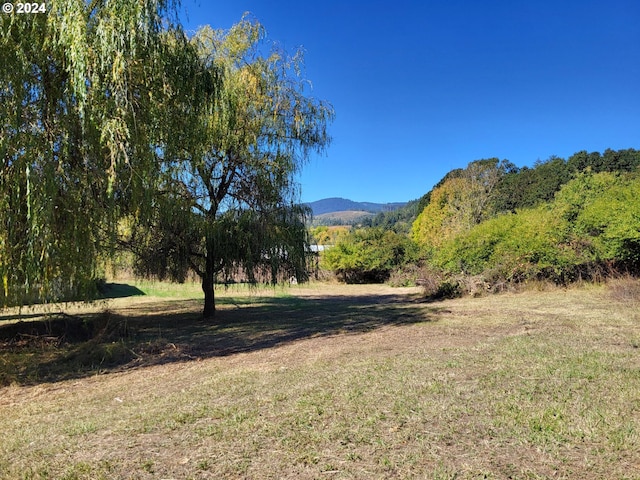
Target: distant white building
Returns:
[[319, 248]]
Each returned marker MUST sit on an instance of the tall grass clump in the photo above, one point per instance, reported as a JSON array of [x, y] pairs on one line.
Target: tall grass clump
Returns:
[[625, 290]]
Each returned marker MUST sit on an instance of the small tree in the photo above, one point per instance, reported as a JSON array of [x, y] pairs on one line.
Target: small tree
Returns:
[[227, 200], [459, 202]]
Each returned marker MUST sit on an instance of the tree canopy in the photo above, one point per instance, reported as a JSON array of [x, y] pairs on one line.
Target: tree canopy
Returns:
[[228, 204], [459, 202], [83, 88], [368, 255], [114, 118]]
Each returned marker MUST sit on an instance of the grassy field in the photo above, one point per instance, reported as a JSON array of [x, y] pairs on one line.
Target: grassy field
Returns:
[[325, 382]]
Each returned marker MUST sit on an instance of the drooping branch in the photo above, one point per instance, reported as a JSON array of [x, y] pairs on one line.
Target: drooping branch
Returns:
[[230, 186]]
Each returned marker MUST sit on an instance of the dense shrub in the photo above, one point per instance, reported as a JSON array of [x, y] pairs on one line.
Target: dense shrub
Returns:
[[406, 275], [511, 247], [592, 225], [612, 223], [368, 255]]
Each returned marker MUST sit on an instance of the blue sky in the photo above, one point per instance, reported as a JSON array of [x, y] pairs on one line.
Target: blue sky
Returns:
[[422, 87]]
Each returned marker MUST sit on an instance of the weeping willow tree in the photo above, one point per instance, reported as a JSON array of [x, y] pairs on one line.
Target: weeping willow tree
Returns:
[[86, 96], [227, 204]]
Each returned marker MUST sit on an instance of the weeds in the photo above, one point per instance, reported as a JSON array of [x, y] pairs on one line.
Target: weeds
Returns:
[[625, 289]]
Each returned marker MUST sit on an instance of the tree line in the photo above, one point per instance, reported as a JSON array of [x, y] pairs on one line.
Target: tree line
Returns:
[[559, 220]]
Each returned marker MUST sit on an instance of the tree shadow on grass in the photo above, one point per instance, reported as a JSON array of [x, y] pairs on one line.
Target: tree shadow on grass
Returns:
[[119, 290], [105, 291], [140, 335]]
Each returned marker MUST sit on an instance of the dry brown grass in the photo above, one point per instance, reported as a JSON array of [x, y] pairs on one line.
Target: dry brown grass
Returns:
[[625, 290], [339, 382]]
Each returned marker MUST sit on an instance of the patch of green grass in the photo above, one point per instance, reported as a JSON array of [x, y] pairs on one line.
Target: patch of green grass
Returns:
[[80, 428], [193, 290], [185, 290]]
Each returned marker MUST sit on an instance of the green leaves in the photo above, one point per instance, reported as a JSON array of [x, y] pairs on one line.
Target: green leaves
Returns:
[[612, 221], [78, 145], [459, 202], [368, 255], [594, 219], [227, 204]]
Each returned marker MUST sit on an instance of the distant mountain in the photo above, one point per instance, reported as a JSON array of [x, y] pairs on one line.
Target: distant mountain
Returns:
[[346, 217], [336, 204]]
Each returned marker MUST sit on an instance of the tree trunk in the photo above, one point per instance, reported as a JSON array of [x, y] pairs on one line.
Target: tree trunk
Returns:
[[209, 297], [208, 283], [208, 279]]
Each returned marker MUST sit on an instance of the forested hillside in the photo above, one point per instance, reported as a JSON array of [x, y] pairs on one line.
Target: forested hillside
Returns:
[[560, 220], [337, 211]]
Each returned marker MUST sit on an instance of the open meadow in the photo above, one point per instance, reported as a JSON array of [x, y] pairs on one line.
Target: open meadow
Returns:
[[324, 381]]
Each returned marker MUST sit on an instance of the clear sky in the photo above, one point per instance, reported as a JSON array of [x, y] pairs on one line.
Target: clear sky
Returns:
[[422, 87]]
